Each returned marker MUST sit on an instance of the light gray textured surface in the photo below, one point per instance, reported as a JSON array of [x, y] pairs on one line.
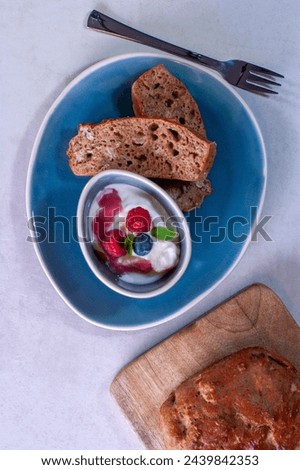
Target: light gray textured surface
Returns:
[[55, 369]]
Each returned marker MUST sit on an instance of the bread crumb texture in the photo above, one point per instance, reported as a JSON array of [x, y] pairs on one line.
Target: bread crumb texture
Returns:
[[158, 93], [154, 148]]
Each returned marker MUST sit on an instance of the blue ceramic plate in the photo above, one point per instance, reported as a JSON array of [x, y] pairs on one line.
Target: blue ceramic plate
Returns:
[[221, 227]]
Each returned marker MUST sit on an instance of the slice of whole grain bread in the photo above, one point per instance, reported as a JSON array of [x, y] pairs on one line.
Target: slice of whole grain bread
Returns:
[[158, 93], [152, 147], [187, 194]]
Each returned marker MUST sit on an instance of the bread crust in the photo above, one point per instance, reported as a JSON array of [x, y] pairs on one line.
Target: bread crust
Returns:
[[248, 400]]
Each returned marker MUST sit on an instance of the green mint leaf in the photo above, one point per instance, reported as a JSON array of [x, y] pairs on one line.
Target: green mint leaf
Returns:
[[163, 233], [128, 243]]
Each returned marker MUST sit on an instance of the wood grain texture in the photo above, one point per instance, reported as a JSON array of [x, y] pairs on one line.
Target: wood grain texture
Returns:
[[253, 317]]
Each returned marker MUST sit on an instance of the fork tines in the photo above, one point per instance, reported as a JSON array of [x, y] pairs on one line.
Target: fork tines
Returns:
[[256, 68], [254, 80]]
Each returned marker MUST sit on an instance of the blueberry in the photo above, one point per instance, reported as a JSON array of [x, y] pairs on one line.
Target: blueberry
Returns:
[[142, 244]]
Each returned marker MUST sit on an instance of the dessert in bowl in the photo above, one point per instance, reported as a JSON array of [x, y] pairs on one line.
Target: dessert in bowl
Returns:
[[132, 234], [104, 91]]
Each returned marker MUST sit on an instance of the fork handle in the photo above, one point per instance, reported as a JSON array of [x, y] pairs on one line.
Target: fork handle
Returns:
[[101, 22]]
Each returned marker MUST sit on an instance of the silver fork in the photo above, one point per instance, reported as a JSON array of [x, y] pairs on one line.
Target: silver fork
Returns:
[[239, 73]]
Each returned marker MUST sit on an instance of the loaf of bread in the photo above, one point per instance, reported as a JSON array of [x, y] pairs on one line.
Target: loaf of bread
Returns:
[[157, 93], [151, 147], [248, 400]]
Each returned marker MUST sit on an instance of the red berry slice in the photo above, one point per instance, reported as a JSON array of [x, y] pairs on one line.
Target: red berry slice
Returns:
[[99, 225], [141, 266], [112, 243], [134, 266], [110, 204], [138, 220]]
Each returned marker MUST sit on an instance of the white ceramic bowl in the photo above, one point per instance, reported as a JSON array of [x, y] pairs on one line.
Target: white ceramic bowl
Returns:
[[85, 234]]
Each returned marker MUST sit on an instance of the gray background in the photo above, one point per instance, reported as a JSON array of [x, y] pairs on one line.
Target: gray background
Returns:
[[55, 368]]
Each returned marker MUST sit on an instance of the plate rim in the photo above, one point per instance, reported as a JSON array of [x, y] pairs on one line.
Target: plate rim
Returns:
[[77, 79]]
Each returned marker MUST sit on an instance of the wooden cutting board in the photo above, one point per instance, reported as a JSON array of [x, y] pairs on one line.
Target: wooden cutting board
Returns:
[[253, 317]]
